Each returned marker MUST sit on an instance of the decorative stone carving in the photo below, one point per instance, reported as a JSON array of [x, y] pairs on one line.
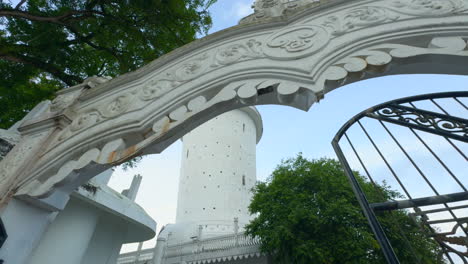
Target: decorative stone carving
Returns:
[[165, 82], [117, 106], [66, 97], [63, 101], [16, 157], [41, 188], [296, 41], [373, 15], [84, 121], [156, 88], [377, 57], [267, 9], [111, 109], [359, 17], [237, 52], [94, 81], [242, 93], [171, 79], [291, 43], [269, 3], [429, 7], [191, 69], [292, 61]]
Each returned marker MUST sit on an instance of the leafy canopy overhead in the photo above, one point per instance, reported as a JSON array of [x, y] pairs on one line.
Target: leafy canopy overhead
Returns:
[[307, 213], [48, 44]]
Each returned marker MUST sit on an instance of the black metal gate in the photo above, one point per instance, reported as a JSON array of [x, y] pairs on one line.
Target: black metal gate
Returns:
[[416, 146]]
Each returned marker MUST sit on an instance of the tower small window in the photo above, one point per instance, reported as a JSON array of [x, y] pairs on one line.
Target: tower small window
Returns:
[[243, 127], [187, 153], [243, 180]]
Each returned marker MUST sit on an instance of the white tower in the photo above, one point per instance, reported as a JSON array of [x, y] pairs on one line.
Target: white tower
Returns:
[[217, 174]]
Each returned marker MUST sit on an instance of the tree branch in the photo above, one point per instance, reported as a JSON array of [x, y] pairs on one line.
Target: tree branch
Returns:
[[60, 20], [29, 16], [86, 39], [68, 79], [20, 4]]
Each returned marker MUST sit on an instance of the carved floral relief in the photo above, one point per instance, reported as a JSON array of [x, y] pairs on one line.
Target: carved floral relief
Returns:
[[117, 106], [296, 41], [155, 88], [359, 17], [289, 43], [238, 52], [268, 3], [292, 42], [85, 120], [192, 69], [428, 7]]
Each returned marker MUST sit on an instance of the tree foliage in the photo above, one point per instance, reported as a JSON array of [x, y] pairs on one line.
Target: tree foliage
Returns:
[[307, 213], [48, 44]]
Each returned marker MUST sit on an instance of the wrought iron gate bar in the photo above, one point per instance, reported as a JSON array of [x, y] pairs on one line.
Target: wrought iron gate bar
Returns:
[[409, 100], [360, 160], [432, 122], [438, 106], [461, 219], [386, 162], [419, 171], [423, 97], [448, 140], [457, 149], [410, 159], [462, 104], [449, 171], [440, 210], [415, 119], [437, 199], [368, 212]]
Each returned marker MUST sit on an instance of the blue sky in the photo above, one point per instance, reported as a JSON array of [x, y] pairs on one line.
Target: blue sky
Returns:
[[287, 131]]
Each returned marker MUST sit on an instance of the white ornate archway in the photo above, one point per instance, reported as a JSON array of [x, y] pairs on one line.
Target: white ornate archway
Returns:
[[288, 53]]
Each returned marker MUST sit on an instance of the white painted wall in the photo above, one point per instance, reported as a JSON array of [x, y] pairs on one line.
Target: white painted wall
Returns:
[[22, 235], [102, 178], [218, 170], [106, 242], [67, 238]]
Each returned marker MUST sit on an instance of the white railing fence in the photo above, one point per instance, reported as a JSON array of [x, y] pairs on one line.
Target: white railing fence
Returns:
[[220, 243]]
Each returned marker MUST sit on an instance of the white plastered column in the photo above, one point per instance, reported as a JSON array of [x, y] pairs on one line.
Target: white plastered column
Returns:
[[68, 236], [104, 246]]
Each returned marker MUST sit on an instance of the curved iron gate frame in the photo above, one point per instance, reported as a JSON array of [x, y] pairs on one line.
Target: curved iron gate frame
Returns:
[[434, 119]]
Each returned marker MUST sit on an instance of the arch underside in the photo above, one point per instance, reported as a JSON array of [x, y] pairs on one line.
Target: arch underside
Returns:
[[293, 60]]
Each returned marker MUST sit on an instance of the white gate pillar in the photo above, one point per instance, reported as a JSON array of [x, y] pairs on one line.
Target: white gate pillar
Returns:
[[67, 238]]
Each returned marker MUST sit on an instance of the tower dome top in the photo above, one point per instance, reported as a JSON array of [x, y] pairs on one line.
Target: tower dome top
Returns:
[[253, 113]]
